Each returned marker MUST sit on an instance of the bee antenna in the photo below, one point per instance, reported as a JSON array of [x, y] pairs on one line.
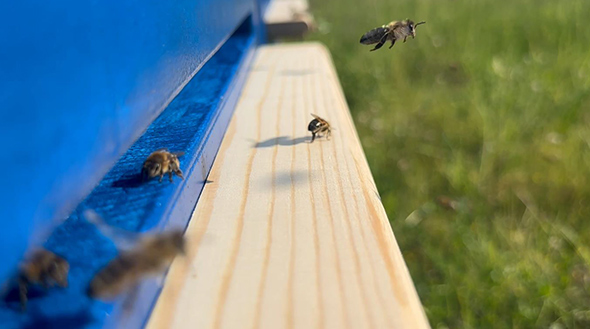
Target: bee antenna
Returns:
[[419, 23]]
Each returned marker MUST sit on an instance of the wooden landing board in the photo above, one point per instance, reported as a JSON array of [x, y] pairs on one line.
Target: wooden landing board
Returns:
[[289, 234]]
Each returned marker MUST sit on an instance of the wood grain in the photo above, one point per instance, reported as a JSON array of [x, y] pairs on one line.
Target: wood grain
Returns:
[[290, 234]]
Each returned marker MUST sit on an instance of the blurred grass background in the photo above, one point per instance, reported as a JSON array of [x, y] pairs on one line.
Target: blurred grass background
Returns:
[[478, 136]]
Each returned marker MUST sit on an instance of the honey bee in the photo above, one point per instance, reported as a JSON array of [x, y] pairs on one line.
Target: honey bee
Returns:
[[151, 256], [44, 268], [396, 30], [161, 162], [318, 126]]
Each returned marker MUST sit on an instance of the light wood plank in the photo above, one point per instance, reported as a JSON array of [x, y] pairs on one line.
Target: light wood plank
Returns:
[[290, 234]]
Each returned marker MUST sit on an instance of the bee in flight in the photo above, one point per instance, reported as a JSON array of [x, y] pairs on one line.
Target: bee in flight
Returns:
[[318, 126], [162, 162], [151, 256], [140, 256], [396, 30], [44, 268]]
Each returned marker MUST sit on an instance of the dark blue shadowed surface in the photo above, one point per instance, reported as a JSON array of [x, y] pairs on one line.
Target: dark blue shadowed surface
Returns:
[[194, 123], [80, 81]]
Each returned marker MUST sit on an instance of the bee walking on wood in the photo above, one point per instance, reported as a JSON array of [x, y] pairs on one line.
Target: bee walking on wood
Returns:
[[151, 256], [44, 268], [319, 126], [162, 162], [396, 30]]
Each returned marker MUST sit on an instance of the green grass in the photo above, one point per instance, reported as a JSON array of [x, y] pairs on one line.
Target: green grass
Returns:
[[478, 136]]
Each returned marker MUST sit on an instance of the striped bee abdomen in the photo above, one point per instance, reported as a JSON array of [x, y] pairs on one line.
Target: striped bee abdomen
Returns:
[[374, 35], [113, 279], [313, 125]]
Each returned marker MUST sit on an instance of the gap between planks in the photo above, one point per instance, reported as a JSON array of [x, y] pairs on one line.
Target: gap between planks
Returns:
[[289, 234]]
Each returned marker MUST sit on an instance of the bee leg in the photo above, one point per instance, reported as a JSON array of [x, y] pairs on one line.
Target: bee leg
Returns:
[[312, 137], [381, 42], [379, 45], [392, 43], [170, 175], [161, 176], [405, 39], [22, 285]]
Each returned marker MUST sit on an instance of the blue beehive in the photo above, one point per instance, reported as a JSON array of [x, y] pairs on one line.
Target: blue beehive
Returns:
[[88, 90]]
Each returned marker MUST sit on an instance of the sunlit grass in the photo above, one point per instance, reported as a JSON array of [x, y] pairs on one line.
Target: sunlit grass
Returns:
[[478, 135]]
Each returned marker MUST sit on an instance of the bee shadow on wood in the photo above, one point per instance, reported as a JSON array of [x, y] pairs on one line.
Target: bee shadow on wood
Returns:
[[283, 141], [75, 320], [133, 181], [287, 178]]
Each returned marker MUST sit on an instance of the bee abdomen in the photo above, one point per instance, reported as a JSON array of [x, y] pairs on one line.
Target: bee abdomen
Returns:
[[112, 279], [313, 125], [374, 35]]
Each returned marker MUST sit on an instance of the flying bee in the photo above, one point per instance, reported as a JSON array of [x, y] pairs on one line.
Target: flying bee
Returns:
[[44, 268], [162, 162], [151, 256], [396, 30], [318, 126]]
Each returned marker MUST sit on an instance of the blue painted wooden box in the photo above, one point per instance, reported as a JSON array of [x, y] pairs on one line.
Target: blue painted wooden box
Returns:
[[87, 90]]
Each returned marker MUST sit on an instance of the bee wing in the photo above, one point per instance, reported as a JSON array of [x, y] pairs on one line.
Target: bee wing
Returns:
[[320, 119], [178, 154], [124, 240], [317, 117]]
